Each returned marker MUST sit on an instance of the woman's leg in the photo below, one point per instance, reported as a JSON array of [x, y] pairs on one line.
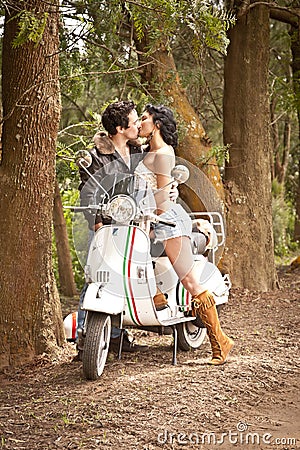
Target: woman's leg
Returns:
[[180, 254]]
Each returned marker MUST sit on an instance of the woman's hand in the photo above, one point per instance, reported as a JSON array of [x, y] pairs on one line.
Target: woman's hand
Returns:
[[174, 193]]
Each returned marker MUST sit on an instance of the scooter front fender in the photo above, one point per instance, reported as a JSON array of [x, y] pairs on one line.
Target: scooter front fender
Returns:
[[98, 299]]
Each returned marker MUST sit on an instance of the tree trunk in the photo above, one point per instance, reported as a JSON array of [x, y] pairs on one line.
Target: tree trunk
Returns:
[[290, 17], [30, 319], [65, 270], [195, 147], [249, 253], [297, 218], [295, 47]]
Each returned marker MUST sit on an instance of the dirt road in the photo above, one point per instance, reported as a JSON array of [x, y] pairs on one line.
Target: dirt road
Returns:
[[143, 402]]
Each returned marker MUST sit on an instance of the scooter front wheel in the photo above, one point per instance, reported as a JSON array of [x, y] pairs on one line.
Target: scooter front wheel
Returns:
[[190, 336], [96, 345]]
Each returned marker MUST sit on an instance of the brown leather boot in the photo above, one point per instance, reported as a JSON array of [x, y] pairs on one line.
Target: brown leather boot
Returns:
[[204, 306], [160, 301]]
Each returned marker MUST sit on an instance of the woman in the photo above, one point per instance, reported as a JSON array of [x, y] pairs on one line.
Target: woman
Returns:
[[159, 127]]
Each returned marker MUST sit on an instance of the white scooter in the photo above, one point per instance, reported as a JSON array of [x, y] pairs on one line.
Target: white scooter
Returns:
[[125, 269]]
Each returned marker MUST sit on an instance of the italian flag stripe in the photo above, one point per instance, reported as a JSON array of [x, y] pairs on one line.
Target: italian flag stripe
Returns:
[[126, 275], [74, 325], [184, 296]]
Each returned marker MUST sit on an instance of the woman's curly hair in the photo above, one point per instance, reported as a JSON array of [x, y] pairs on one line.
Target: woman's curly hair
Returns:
[[164, 118]]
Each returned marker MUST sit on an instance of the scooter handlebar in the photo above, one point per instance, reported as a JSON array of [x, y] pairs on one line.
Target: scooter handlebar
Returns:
[[82, 208], [153, 217], [156, 219], [166, 222]]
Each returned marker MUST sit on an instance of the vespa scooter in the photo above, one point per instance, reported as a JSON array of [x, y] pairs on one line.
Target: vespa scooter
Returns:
[[124, 271]]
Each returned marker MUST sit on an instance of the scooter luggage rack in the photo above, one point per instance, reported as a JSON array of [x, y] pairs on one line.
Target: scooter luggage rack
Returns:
[[216, 220]]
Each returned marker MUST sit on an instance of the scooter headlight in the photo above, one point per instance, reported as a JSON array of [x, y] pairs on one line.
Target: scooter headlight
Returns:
[[121, 208]]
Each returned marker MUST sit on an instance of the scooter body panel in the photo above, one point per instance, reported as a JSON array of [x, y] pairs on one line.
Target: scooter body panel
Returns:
[[209, 277], [98, 299], [121, 269]]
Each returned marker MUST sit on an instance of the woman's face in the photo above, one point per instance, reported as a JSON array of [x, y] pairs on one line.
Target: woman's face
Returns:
[[146, 125]]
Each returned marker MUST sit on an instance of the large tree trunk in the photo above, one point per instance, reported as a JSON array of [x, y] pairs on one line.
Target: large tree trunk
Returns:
[[201, 192], [249, 254], [65, 270], [297, 218], [295, 47], [30, 319], [290, 16]]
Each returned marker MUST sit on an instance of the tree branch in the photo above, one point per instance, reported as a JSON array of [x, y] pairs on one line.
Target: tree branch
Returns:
[[280, 13]]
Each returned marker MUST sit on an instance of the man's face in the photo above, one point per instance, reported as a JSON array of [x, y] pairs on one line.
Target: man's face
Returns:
[[132, 131], [146, 126]]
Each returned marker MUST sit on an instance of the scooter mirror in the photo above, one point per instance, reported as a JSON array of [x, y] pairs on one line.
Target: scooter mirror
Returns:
[[180, 173], [83, 158]]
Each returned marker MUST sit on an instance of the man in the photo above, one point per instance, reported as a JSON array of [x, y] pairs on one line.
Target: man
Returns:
[[118, 151]]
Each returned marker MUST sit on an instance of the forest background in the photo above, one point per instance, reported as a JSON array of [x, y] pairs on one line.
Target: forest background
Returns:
[[231, 74]]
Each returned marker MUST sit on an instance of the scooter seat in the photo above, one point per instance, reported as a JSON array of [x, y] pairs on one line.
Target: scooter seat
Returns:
[[198, 242]]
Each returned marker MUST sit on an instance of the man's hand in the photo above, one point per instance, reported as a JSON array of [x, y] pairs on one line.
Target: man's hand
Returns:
[[174, 194]]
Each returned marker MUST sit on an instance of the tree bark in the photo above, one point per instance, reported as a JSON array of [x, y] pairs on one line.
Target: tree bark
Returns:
[[249, 253], [65, 270], [295, 47], [291, 16], [30, 320]]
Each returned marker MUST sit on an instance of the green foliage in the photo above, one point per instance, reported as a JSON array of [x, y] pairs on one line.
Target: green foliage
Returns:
[[283, 225], [31, 27], [277, 188], [99, 61], [69, 196], [220, 153], [209, 24], [163, 19], [283, 215]]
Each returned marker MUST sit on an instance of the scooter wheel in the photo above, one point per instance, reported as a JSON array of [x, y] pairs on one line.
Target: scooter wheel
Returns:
[[96, 345], [190, 336]]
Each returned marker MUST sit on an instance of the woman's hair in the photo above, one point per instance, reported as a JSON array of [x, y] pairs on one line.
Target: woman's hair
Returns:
[[164, 118], [116, 115]]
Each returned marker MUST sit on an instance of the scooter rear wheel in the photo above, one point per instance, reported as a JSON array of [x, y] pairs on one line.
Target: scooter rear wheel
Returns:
[[190, 336], [96, 345]]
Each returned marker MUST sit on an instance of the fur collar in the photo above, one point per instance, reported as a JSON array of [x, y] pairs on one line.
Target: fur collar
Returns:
[[105, 145]]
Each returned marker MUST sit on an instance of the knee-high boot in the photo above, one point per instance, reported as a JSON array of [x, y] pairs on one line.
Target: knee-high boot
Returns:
[[204, 306]]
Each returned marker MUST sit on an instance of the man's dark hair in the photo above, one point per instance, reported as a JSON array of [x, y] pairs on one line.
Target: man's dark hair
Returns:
[[164, 117], [116, 115]]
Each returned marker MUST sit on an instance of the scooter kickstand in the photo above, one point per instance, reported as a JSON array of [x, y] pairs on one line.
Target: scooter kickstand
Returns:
[[174, 358], [121, 344]]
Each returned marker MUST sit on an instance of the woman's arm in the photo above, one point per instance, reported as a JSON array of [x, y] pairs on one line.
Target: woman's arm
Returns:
[[163, 164]]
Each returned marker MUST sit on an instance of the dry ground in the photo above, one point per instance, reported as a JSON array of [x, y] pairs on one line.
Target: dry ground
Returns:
[[143, 402]]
